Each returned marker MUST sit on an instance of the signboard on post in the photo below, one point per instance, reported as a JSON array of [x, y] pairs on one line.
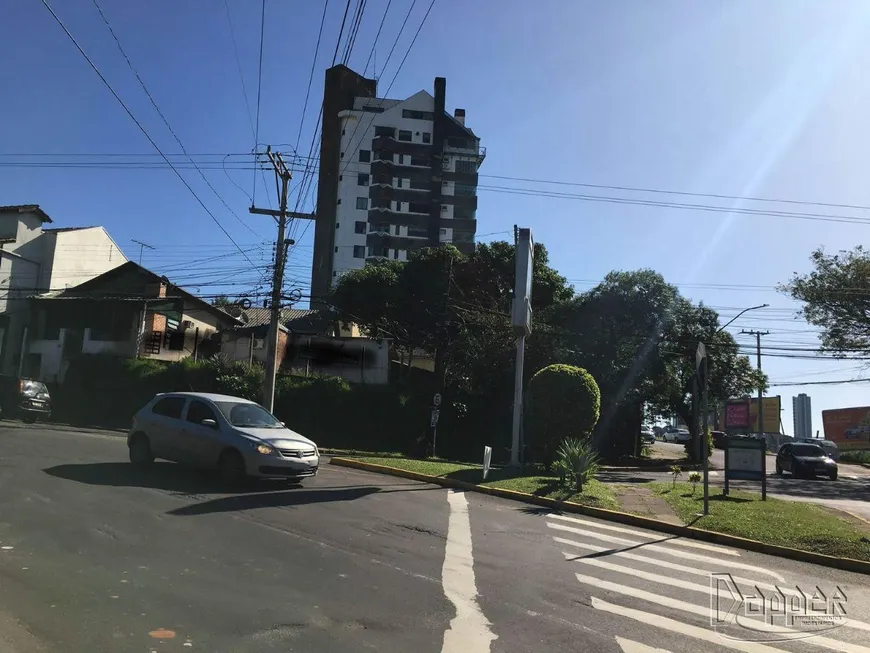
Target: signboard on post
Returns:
[[487, 461], [745, 460]]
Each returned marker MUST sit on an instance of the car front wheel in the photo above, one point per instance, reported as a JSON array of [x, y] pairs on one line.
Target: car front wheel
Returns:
[[833, 475]]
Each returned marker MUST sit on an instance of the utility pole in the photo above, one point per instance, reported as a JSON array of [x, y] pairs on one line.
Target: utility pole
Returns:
[[758, 335], [283, 174], [140, 335]]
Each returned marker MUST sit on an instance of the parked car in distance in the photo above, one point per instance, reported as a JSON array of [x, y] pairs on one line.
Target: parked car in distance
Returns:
[[647, 436], [680, 436], [238, 436], [718, 439], [24, 399], [805, 459]]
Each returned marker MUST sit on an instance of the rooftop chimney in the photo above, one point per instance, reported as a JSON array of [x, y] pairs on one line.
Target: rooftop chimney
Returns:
[[459, 114]]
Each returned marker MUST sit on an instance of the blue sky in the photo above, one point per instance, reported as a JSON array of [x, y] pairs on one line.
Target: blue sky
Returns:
[[744, 98]]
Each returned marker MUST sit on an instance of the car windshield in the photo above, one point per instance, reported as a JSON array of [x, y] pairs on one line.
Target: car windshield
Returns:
[[248, 415], [807, 450]]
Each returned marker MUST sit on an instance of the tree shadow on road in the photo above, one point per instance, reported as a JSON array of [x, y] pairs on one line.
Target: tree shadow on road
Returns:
[[298, 497]]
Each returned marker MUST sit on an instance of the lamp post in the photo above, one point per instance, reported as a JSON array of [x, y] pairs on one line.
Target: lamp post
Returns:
[[701, 370]]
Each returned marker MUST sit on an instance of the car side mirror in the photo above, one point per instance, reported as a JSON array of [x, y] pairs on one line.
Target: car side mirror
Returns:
[[212, 424]]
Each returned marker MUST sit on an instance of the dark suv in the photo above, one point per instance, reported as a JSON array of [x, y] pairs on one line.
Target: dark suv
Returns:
[[23, 398]]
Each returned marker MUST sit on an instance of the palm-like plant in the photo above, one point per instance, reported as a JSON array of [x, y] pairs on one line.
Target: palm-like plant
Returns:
[[576, 460]]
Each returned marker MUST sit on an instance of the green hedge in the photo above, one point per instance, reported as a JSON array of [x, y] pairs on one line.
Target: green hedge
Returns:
[[107, 391]]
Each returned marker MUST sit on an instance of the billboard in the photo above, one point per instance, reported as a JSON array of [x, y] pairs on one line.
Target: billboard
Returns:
[[848, 427], [522, 307], [742, 415], [737, 414], [772, 408]]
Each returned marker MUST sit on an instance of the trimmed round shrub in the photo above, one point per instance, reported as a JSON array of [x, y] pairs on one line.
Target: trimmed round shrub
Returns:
[[563, 402]]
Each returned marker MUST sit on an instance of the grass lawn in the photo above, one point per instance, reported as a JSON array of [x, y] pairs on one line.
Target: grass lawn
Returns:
[[594, 493], [794, 524]]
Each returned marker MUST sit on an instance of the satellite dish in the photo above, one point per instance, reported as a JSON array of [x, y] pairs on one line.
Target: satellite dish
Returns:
[[244, 303]]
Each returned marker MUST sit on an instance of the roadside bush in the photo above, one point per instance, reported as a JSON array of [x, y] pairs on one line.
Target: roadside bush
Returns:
[[576, 462], [564, 402], [859, 457]]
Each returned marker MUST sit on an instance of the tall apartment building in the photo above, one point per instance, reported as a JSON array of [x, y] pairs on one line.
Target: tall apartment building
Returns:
[[803, 416], [395, 176]]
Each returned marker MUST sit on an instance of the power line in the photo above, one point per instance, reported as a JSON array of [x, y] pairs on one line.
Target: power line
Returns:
[[259, 92], [164, 119], [239, 67], [141, 128], [311, 73]]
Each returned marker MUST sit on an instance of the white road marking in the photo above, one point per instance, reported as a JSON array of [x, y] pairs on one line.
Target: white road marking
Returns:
[[688, 630], [649, 536], [664, 564], [469, 630], [704, 611], [629, 646], [659, 548]]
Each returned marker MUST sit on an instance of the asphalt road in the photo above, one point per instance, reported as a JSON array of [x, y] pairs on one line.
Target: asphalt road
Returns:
[[97, 556]]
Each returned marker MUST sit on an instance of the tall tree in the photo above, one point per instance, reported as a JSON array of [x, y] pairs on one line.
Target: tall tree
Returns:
[[836, 298]]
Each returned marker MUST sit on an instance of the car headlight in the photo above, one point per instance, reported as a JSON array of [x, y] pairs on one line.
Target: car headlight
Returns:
[[264, 449]]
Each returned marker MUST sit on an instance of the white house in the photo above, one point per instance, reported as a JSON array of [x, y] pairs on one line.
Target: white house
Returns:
[[36, 259]]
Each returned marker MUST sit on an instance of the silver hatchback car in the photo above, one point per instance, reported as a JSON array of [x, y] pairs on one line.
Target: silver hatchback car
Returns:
[[238, 436]]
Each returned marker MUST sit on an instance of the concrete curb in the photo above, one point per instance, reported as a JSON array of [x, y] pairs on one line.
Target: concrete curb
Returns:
[[846, 564]]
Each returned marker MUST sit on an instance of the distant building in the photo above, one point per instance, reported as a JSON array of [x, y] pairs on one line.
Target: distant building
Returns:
[[395, 175], [803, 416]]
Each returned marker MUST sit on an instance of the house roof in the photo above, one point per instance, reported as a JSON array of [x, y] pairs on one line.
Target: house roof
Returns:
[[297, 320], [57, 230], [26, 208], [94, 289]]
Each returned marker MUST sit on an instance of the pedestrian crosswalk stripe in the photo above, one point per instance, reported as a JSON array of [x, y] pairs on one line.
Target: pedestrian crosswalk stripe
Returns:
[[630, 646], [649, 536], [681, 628], [704, 611], [660, 548], [664, 564]]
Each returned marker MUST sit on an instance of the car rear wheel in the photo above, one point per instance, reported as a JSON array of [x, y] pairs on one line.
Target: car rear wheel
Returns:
[[140, 450], [232, 466]]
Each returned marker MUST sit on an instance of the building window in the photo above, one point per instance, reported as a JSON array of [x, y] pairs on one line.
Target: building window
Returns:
[[427, 137], [340, 177], [378, 250], [382, 227], [460, 143], [365, 156], [113, 326], [362, 203], [383, 155], [341, 156], [359, 251], [337, 225], [339, 201], [465, 166], [336, 249], [442, 232], [405, 135], [369, 108], [463, 213], [398, 182], [359, 227], [385, 131], [418, 232], [398, 206], [464, 189], [362, 179], [343, 132], [395, 254], [419, 184], [417, 115], [398, 230], [417, 207], [419, 161]]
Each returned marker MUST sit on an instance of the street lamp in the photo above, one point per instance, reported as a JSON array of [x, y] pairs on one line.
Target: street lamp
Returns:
[[701, 361]]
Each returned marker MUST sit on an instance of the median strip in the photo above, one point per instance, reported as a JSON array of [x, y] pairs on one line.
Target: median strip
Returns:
[[849, 549]]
